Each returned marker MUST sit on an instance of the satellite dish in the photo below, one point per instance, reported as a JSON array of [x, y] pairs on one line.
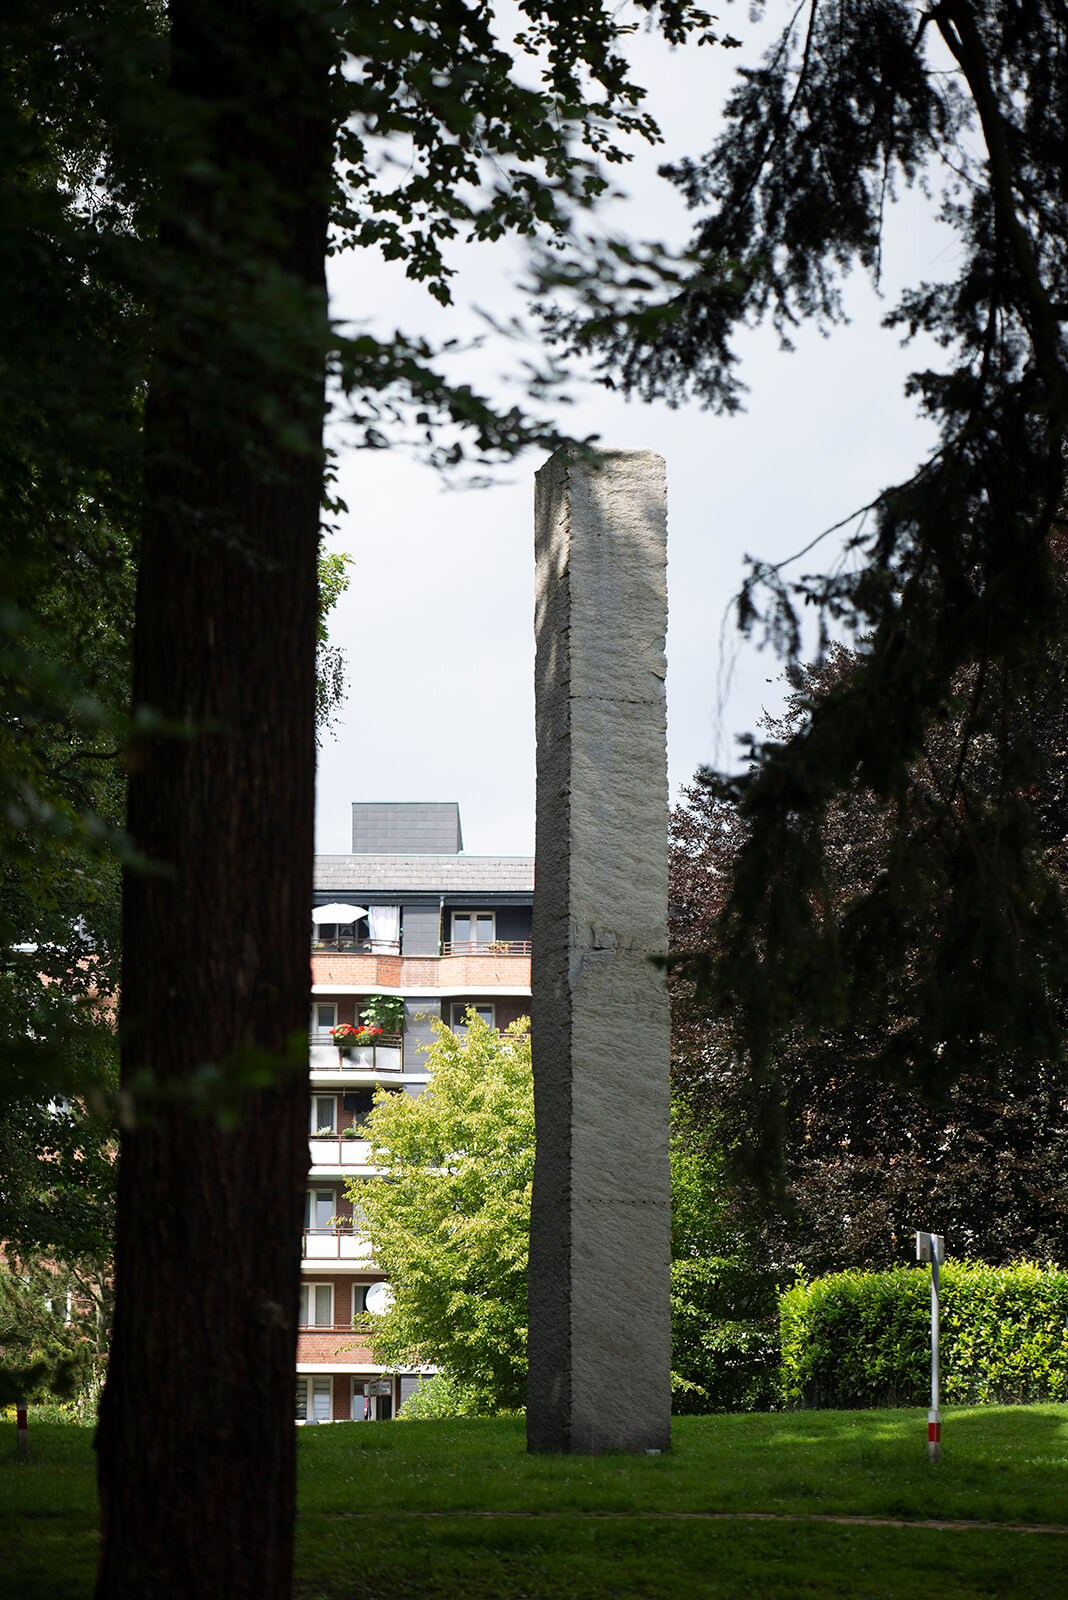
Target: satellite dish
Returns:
[[378, 1298]]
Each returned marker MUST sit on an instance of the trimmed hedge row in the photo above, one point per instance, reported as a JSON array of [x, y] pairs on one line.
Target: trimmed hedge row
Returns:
[[862, 1339]]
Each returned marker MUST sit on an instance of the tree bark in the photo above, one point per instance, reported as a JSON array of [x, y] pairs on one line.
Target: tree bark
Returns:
[[196, 1446]]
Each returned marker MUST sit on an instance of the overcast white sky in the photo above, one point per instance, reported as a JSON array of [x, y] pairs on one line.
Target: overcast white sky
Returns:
[[438, 620]]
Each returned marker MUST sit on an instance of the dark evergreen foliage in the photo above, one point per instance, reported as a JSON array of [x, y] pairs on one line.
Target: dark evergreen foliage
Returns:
[[48, 1333], [866, 1161], [962, 935]]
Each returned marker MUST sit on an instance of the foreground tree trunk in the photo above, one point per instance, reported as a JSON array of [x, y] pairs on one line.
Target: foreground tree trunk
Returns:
[[196, 1442]]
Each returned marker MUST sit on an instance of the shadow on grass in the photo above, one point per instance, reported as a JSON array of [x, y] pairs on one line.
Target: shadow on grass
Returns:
[[575, 1558]]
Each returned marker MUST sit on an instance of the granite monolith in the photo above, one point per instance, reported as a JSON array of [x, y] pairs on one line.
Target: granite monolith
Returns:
[[599, 1275]]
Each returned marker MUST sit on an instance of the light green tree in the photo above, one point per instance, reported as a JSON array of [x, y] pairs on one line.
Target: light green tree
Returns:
[[724, 1320], [450, 1219]]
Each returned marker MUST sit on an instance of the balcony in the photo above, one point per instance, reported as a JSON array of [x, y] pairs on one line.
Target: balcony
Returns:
[[334, 1151], [462, 964], [490, 947], [338, 1243], [357, 964], [392, 947], [386, 1055], [360, 947]]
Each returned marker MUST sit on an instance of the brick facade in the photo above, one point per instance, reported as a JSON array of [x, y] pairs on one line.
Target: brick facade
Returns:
[[336, 968], [428, 888]]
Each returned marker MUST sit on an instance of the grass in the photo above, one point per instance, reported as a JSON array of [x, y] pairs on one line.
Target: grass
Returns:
[[585, 1531]]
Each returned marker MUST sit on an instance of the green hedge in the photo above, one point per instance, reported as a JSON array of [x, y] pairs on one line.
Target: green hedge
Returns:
[[860, 1339]]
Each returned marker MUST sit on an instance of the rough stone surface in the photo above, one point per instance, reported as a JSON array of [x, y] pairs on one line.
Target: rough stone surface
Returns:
[[600, 1330]]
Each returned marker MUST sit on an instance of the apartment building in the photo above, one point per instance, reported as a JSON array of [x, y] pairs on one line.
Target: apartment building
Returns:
[[408, 916]]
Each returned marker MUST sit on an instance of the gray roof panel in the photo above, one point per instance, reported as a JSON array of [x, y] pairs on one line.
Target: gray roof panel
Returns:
[[424, 874]]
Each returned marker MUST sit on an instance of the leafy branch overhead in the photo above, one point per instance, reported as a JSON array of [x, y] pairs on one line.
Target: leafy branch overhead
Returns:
[[451, 129], [954, 577], [505, 135]]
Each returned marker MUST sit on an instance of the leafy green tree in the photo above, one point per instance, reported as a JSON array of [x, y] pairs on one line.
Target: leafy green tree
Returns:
[[175, 177], [450, 1219], [724, 1325], [330, 658], [953, 570], [47, 1336], [73, 363], [450, 1223]]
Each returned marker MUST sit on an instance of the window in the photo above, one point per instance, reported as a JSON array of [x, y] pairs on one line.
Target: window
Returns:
[[317, 1305], [61, 1306], [324, 1113], [359, 1298], [324, 1017], [473, 927], [359, 1220], [359, 1103], [313, 1400], [319, 1208], [360, 1406], [383, 924], [339, 935], [460, 1008]]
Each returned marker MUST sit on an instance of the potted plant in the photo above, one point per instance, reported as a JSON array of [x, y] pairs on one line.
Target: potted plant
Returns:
[[384, 1013], [348, 1034]]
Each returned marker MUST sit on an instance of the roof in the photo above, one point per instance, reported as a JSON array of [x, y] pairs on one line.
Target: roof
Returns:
[[416, 827], [425, 874]]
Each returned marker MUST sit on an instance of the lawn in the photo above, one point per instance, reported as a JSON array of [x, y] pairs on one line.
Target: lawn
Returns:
[[505, 1526]]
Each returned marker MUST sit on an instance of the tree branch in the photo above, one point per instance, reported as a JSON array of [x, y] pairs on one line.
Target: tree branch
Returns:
[[956, 24]]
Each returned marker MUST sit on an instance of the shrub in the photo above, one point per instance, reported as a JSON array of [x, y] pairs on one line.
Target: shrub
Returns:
[[724, 1337], [857, 1339], [442, 1396]]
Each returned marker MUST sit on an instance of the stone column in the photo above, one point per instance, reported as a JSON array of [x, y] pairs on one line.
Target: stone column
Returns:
[[600, 1328]]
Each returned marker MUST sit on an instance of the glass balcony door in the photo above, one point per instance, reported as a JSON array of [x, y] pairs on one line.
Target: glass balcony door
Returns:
[[473, 927]]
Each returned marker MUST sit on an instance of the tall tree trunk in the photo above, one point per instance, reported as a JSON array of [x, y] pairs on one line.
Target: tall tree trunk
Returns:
[[196, 1442]]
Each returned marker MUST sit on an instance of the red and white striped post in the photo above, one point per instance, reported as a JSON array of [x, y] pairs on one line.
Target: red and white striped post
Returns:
[[22, 1431], [931, 1247]]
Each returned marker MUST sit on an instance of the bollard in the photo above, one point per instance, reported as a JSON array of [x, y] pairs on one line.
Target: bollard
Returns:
[[931, 1247]]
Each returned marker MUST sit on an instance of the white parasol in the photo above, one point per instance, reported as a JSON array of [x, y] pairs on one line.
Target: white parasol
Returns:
[[335, 912]]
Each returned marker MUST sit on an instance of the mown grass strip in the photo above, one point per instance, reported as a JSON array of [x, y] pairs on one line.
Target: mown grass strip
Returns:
[[1000, 1465], [804, 1506]]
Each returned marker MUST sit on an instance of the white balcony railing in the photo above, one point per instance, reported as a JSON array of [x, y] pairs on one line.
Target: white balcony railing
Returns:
[[330, 1151], [385, 1057], [486, 947], [335, 1244]]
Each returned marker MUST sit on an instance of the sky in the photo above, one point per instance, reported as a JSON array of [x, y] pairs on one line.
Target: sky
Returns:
[[437, 623]]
